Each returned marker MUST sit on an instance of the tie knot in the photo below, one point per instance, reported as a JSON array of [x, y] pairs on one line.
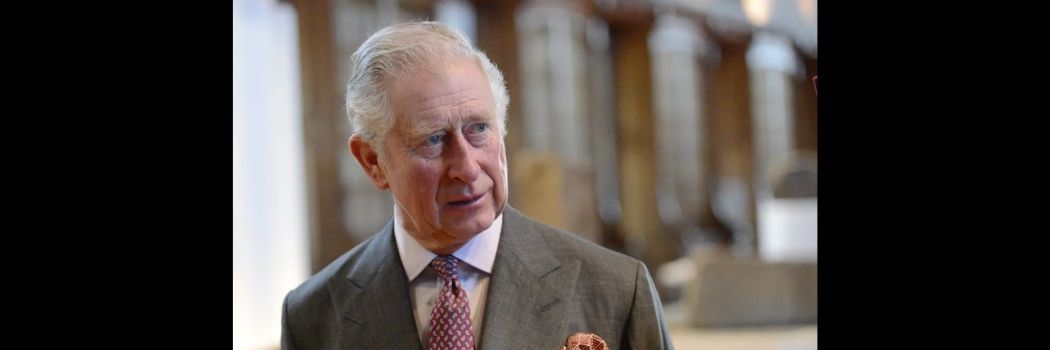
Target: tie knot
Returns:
[[445, 266]]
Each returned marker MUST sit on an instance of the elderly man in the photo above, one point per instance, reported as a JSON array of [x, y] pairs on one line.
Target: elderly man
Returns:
[[456, 268]]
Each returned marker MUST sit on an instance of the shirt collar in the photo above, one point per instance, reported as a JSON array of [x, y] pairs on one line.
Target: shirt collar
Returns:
[[479, 252]]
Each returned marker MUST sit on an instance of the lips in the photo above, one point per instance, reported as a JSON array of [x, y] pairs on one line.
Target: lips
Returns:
[[465, 201]]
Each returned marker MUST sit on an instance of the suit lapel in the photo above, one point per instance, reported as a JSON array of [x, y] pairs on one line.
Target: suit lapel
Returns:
[[372, 299], [527, 298]]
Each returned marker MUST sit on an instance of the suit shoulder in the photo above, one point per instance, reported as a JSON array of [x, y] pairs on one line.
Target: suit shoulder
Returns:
[[567, 244], [612, 277], [316, 286]]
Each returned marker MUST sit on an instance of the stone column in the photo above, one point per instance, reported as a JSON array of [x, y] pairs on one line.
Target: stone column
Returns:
[[772, 64], [553, 53], [676, 46], [459, 14]]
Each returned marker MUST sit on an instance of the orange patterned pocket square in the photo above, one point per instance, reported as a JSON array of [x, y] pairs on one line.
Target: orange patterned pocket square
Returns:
[[584, 341]]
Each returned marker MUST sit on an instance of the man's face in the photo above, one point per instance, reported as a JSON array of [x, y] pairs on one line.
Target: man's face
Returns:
[[445, 159]]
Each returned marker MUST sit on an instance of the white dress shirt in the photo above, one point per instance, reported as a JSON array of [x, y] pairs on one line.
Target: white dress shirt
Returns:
[[475, 268]]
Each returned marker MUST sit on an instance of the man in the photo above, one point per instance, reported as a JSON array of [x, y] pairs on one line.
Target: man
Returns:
[[456, 268]]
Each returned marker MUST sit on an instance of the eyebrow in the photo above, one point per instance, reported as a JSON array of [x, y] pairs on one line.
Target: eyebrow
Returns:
[[420, 127]]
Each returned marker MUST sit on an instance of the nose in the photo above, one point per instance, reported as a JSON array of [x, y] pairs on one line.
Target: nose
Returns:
[[463, 160]]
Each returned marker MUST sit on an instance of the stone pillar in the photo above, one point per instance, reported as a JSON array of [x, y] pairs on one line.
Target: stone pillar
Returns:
[[676, 46], [772, 64], [553, 53], [318, 62], [458, 14]]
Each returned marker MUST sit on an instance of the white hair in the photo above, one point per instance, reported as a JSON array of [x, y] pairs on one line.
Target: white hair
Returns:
[[396, 50]]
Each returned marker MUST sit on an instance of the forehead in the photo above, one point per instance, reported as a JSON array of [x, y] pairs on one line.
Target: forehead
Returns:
[[441, 94]]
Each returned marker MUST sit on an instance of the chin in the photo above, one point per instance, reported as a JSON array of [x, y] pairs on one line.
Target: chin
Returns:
[[470, 227]]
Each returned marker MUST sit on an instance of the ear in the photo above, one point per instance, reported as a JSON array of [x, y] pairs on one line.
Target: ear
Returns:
[[369, 160]]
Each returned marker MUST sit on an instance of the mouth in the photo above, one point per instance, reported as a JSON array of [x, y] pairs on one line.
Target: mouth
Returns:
[[466, 201]]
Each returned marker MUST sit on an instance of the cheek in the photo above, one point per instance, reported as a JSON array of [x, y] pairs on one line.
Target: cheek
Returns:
[[423, 179]]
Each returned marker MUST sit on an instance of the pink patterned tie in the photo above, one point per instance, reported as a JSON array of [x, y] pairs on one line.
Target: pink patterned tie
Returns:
[[450, 320]]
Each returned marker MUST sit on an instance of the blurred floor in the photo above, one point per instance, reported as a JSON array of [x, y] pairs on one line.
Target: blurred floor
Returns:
[[779, 338], [785, 337]]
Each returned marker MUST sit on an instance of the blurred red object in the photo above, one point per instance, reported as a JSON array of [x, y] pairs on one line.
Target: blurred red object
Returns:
[[585, 341]]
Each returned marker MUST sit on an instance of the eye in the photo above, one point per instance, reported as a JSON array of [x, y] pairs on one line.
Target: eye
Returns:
[[434, 140], [477, 128], [430, 147], [477, 133]]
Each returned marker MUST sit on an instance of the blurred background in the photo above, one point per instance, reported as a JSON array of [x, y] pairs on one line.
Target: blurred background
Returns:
[[679, 132]]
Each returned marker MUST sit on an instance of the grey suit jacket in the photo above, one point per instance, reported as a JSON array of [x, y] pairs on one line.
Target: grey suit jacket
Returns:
[[546, 285]]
